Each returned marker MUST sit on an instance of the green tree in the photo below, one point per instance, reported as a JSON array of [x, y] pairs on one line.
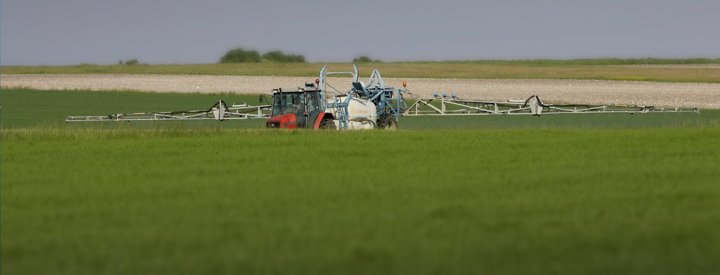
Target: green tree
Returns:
[[240, 55], [365, 59], [279, 56]]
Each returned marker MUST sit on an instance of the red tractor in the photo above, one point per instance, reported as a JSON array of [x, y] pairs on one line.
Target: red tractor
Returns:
[[301, 108]]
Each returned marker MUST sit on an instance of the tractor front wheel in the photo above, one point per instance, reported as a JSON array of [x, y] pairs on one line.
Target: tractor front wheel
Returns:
[[387, 122]]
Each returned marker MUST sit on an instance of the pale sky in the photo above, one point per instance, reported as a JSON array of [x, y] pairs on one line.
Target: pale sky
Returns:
[[60, 32]]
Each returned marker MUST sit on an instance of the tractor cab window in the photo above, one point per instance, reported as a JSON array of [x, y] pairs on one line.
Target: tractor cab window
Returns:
[[287, 103], [313, 103]]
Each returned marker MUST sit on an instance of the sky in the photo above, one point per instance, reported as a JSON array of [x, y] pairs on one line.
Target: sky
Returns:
[[64, 32]]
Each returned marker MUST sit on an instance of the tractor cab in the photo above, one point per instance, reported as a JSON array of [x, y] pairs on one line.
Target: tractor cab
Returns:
[[298, 108]]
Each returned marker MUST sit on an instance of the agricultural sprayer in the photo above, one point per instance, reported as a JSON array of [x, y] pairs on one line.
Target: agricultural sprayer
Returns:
[[320, 105], [364, 106]]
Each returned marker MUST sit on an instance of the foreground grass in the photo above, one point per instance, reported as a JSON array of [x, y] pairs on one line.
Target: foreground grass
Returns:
[[181, 201], [602, 69]]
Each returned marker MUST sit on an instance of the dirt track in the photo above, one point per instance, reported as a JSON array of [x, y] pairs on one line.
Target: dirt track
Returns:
[[704, 95]]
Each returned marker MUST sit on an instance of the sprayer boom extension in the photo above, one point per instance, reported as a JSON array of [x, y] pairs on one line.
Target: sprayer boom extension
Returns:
[[220, 111]]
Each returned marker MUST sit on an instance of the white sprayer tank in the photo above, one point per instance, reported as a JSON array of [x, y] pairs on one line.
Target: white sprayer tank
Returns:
[[362, 114]]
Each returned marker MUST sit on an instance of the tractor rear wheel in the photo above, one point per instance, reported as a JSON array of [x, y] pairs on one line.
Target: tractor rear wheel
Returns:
[[327, 124]]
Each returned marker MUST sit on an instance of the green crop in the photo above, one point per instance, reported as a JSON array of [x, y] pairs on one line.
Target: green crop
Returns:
[[558, 194], [512, 201]]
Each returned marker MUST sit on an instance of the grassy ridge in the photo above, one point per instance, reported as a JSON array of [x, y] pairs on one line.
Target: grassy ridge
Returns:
[[92, 201], [23, 108], [603, 69]]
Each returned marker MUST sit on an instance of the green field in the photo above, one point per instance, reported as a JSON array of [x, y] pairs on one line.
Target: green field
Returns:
[[603, 69], [421, 202], [22, 108], [586, 194]]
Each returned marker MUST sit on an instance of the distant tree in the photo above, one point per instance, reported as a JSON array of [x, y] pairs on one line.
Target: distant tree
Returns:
[[133, 61], [365, 59], [279, 56], [239, 55]]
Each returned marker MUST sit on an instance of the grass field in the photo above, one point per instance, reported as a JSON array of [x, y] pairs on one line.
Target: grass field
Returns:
[[602, 69], [631, 201], [589, 194], [48, 109]]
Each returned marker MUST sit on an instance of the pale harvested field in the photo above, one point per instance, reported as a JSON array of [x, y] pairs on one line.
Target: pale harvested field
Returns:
[[703, 95]]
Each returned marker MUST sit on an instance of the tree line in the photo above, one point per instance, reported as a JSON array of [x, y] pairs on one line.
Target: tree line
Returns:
[[240, 55]]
